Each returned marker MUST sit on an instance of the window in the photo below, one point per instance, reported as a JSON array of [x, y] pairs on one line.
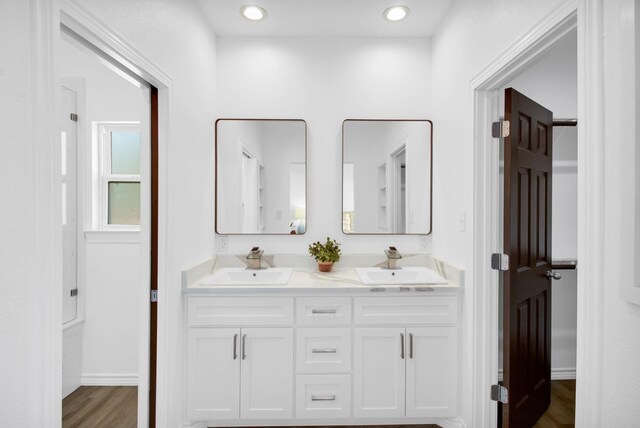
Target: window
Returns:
[[119, 194]]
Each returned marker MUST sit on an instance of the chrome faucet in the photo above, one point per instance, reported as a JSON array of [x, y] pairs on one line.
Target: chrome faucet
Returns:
[[393, 255], [255, 258]]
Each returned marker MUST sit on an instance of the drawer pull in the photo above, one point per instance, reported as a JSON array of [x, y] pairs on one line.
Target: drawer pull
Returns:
[[235, 346], [411, 345], [323, 398], [324, 351], [323, 311], [244, 346]]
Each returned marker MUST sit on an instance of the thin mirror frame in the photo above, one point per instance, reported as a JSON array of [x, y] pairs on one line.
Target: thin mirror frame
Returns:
[[430, 177], [306, 177]]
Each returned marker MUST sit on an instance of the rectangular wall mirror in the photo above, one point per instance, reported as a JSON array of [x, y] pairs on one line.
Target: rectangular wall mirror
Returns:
[[261, 176], [386, 176]]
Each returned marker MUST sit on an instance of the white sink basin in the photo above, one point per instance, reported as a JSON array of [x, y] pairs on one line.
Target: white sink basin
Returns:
[[243, 276], [406, 275]]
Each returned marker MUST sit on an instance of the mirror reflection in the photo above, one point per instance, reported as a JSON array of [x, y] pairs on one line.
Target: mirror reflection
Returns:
[[386, 176], [260, 176]]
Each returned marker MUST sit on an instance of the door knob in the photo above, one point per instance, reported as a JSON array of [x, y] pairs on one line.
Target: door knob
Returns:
[[553, 275]]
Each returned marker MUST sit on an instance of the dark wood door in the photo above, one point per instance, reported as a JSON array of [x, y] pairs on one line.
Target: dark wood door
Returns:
[[527, 242]]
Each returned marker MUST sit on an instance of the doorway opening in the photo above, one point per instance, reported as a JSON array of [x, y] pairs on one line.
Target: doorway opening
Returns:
[[399, 182], [109, 175], [487, 89], [552, 83]]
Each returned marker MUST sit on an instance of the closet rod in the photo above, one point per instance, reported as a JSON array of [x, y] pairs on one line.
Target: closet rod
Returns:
[[565, 122]]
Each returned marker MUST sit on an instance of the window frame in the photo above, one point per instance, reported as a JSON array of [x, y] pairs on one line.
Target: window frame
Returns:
[[105, 176]]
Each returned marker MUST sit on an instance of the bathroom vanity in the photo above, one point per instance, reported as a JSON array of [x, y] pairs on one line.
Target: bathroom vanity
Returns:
[[322, 349]]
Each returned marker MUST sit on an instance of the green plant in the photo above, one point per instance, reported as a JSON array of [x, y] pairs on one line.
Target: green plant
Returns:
[[327, 252]]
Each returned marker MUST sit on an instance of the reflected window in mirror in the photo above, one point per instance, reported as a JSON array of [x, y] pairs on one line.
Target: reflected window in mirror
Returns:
[[261, 185], [386, 176]]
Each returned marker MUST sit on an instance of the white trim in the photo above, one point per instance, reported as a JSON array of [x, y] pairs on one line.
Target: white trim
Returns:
[[72, 323], [112, 237], [45, 380], [78, 19], [483, 317], [444, 423], [109, 379], [591, 220]]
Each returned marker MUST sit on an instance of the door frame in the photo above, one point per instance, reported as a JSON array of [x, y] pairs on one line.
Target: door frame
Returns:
[[482, 324], [113, 45], [46, 17]]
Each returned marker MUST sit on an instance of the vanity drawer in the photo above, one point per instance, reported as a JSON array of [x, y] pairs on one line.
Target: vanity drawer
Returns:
[[323, 396], [323, 350], [323, 311], [405, 310], [240, 311]]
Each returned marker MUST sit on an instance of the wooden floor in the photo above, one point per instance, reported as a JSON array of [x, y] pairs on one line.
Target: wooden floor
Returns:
[[117, 407], [562, 411], [101, 407]]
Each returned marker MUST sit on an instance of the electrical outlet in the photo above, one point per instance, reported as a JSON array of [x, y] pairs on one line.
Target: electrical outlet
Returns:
[[462, 221], [423, 242], [222, 244]]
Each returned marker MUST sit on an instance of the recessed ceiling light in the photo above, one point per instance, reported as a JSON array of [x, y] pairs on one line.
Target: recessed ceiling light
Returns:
[[254, 13], [396, 13]]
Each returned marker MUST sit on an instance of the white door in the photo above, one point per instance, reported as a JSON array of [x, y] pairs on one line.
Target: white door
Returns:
[[431, 371], [267, 373], [69, 193], [213, 376], [379, 365]]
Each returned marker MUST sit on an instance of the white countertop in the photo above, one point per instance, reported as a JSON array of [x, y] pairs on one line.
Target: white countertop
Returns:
[[310, 280]]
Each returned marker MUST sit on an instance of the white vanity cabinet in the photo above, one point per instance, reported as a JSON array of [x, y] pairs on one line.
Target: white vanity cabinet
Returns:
[[244, 372], [409, 369], [346, 358]]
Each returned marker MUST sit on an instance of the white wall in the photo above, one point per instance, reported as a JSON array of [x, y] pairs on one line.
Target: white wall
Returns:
[[21, 332], [324, 81], [112, 270], [620, 318]]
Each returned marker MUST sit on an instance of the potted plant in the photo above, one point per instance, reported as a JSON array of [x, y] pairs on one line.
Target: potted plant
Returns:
[[325, 254]]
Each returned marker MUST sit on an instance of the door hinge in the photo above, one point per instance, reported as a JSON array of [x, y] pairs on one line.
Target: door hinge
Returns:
[[73, 117], [74, 292], [499, 261], [500, 394], [154, 296], [500, 129]]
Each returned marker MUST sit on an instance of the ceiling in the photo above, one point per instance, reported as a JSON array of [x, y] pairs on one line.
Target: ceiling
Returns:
[[324, 18]]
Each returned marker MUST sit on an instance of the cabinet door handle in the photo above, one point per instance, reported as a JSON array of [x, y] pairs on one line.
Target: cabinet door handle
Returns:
[[402, 345], [411, 345], [323, 311], [244, 346], [323, 398], [324, 351], [235, 346]]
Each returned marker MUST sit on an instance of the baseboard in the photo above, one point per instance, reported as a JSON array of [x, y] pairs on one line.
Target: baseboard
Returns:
[[556, 374], [452, 423], [563, 373], [108, 379]]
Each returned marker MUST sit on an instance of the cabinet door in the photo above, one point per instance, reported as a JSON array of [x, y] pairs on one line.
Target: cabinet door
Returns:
[[379, 364], [267, 373], [432, 375], [213, 374]]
